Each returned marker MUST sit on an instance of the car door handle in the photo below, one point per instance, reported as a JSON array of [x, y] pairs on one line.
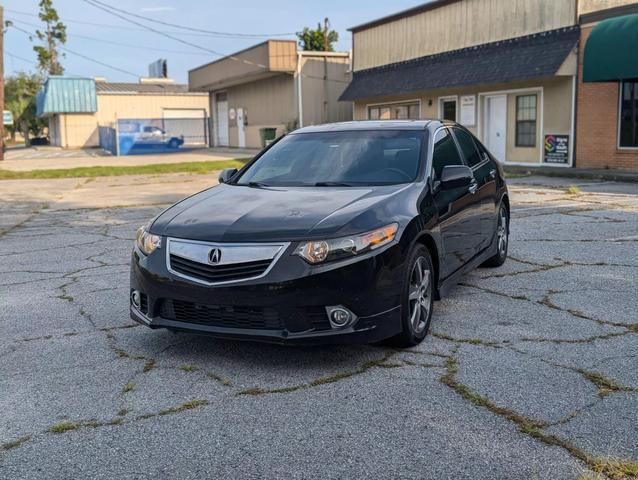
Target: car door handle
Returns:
[[492, 174], [473, 187]]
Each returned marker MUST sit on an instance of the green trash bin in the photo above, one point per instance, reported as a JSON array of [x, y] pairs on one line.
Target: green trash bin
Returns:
[[267, 135]]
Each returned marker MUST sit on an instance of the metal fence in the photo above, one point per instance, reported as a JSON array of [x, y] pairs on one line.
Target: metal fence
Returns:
[[108, 139], [161, 134]]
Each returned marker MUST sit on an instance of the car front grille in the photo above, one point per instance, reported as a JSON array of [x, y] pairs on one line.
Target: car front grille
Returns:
[[263, 318], [218, 273]]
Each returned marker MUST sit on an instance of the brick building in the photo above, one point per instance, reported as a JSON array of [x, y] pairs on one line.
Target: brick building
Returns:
[[607, 107]]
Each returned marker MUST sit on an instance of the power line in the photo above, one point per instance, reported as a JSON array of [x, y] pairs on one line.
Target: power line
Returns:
[[112, 67], [190, 44], [124, 27], [120, 44], [190, 29]]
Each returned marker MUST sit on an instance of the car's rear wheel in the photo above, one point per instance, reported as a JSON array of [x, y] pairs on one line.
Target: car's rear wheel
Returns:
[[173, 143], [502, 239], [418, 299]]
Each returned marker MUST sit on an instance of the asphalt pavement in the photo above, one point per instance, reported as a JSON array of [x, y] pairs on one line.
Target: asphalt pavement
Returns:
[[530, 370]]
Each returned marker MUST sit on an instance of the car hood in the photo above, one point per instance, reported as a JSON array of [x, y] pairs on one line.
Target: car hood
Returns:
[[233, 213]]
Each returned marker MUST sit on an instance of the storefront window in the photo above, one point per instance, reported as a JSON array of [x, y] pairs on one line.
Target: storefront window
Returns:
[[526, 121], [398, 111], [629, 114]]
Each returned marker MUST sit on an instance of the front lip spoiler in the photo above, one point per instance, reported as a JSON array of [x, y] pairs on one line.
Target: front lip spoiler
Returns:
[[384, 328]]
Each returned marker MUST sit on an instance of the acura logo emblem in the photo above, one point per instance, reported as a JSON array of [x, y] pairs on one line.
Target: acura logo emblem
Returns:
[[215, 256]]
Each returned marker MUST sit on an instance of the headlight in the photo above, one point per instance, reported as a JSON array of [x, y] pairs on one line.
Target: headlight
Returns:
[[147, 242], [326, 250]]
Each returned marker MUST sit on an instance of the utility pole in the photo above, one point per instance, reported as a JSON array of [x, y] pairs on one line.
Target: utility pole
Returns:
[[326, 27], [2, 81]]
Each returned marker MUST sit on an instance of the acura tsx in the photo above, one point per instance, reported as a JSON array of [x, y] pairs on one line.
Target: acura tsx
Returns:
[[336, 233]]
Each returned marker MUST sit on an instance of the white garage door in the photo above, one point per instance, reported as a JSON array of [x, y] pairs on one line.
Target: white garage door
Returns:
[[184, 113], [222, 119]]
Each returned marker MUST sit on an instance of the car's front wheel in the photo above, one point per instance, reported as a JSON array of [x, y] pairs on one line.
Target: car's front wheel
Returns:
[[418, 299]]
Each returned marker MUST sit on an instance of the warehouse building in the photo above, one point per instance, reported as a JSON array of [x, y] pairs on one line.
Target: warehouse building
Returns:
[[77, 107], [271, 88]]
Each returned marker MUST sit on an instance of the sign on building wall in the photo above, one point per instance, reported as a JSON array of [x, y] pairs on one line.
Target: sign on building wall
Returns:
[[556, 149], [468, 110]]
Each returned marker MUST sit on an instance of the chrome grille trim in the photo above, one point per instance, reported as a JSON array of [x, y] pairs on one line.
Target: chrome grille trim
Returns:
[[232, 253]]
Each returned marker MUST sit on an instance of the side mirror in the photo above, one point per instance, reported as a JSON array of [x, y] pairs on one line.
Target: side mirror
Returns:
[[226, 175], [456, 176]]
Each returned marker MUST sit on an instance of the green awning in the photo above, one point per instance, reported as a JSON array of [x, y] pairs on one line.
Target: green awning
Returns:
[[611, 53]]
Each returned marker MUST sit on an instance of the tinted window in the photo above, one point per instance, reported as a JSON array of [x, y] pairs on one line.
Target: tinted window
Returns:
[[629, 114], [354, 157], [445, 152], [468, 147]]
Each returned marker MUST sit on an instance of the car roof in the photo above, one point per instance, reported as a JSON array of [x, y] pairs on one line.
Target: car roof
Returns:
[[371, 125]]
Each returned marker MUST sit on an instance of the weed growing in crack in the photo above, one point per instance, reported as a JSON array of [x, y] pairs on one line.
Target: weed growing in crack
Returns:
[[14, 443], [149, 365], [187, 367], [128, 387], [218, 378], [64, 426]]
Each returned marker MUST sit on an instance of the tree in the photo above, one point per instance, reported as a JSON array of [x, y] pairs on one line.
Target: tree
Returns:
[[53, 37], [320, 40], [19, 93]]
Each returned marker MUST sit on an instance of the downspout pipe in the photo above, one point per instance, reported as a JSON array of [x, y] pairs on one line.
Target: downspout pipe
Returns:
[[299, 91]]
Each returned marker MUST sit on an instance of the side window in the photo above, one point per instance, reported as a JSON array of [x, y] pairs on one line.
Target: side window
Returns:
[[468, 147], [445, 152]]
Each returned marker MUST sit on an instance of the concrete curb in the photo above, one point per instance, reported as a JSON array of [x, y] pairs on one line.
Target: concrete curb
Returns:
[[591, 174]]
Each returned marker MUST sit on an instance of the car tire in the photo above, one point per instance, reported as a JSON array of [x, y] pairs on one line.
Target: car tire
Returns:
[[417, 299], [173, 144], [502, 239]]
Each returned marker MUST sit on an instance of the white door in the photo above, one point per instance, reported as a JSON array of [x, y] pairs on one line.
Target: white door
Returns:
[[222, 119], [241, 133], [496, 125]]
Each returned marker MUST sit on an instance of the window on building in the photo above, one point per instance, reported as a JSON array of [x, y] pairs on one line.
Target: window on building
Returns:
[[448, 109], [629, 115], [526, 121], [445, 152], [397, 111]]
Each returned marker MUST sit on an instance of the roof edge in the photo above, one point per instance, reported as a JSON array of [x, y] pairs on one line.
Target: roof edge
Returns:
[[389, 66], [402, 14], [599, 15]]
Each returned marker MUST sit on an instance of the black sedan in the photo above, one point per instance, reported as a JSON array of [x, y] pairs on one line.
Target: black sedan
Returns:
[[335, 233]]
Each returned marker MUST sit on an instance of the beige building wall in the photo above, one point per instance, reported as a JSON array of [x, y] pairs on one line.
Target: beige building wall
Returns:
[[554, 113], [273, 102], [457, 25], [320, 97], [588, 6], [80, 130], [267, 103]]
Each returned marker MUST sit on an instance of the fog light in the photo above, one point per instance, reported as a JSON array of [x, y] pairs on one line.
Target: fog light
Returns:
[[340, 316], [136, 299]]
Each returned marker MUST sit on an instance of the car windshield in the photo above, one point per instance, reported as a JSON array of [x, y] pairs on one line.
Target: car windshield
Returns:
[[346, 158]]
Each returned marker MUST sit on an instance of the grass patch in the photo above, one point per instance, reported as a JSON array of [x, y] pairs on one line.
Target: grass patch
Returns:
[[188, 405], [605, 385], [265, 391], [573, 190], [517, 175], [616, 469], [112, 171], [218, 378], [14, 443], [128, 387], [187, 367], [64, 426], [149, 365]]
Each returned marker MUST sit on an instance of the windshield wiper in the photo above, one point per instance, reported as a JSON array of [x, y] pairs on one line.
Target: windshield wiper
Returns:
[[333, 184], [257, 184]]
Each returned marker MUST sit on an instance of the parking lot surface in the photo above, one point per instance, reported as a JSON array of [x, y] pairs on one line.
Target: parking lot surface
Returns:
[[530, 370]]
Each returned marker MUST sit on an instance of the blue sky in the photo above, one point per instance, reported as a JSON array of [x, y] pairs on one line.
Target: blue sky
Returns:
[[142, 47]]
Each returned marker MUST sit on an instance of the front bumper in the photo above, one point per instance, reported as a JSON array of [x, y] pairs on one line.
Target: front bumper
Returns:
[[292, 297]]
